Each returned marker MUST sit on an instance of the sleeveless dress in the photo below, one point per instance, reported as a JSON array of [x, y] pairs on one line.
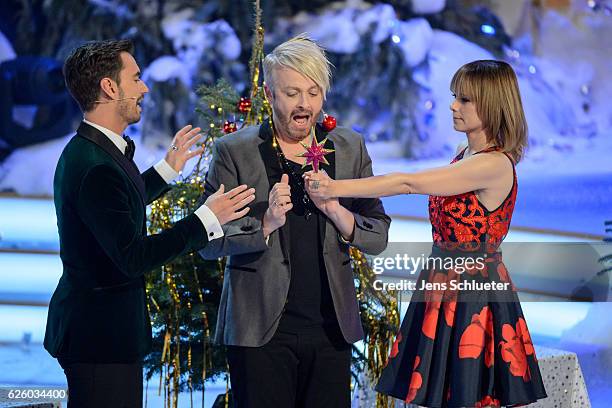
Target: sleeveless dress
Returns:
[[459, 347]]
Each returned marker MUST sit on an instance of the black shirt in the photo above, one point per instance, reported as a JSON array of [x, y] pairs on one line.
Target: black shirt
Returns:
[[309, 301]]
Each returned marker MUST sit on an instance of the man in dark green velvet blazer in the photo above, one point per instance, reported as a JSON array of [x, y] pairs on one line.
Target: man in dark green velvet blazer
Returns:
[[98, 325]]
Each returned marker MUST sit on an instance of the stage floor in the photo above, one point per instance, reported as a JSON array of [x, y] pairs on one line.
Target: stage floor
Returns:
[[30, 268]]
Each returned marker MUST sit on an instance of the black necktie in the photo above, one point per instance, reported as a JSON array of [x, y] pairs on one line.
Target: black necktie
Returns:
[[131, 147]]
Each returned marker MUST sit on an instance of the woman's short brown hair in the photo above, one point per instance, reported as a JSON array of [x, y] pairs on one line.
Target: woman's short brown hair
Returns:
[[492, 86]]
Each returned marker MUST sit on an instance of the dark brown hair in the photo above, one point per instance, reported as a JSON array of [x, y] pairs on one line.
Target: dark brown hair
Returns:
[[88, 64]]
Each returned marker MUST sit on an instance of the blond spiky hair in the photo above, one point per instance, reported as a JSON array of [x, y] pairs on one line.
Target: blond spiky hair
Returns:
[[303, 55]]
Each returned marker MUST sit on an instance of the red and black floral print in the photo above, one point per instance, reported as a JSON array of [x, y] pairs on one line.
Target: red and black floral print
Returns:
[[461, 348]]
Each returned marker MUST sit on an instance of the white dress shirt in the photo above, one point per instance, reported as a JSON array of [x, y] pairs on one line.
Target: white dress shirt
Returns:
[[167, 173]]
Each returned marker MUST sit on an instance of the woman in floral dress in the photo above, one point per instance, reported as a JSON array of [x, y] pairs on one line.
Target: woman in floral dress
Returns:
[[463, 348]]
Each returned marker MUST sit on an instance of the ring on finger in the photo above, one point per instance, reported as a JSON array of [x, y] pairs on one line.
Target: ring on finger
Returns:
[[174, 147]]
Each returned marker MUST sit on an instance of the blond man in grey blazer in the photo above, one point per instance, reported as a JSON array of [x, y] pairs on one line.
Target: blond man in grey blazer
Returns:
[[289, 313]]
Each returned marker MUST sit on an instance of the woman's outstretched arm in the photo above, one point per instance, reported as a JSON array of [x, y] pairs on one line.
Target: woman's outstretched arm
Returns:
[[474, 173]]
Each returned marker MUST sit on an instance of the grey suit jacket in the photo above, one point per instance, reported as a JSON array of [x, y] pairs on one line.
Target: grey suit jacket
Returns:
[[256, 279]]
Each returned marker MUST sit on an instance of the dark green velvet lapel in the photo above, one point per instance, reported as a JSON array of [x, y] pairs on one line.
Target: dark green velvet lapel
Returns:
[[95, 136]]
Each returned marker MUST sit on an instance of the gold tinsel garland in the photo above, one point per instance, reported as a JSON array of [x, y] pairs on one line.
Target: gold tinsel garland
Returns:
[[380, 316]]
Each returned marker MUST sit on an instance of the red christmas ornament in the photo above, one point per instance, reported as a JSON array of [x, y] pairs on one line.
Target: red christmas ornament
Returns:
[[329, 122], [244, 105], [229, 127]]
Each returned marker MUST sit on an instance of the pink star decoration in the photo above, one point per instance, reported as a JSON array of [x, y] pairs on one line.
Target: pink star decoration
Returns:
[[315, 153]]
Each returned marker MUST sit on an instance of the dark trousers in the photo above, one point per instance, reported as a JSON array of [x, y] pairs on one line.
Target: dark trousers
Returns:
[[292, 370], [103, 385]]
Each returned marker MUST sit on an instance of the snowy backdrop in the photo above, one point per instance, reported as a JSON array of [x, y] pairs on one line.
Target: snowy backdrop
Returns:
[[393, 64]]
